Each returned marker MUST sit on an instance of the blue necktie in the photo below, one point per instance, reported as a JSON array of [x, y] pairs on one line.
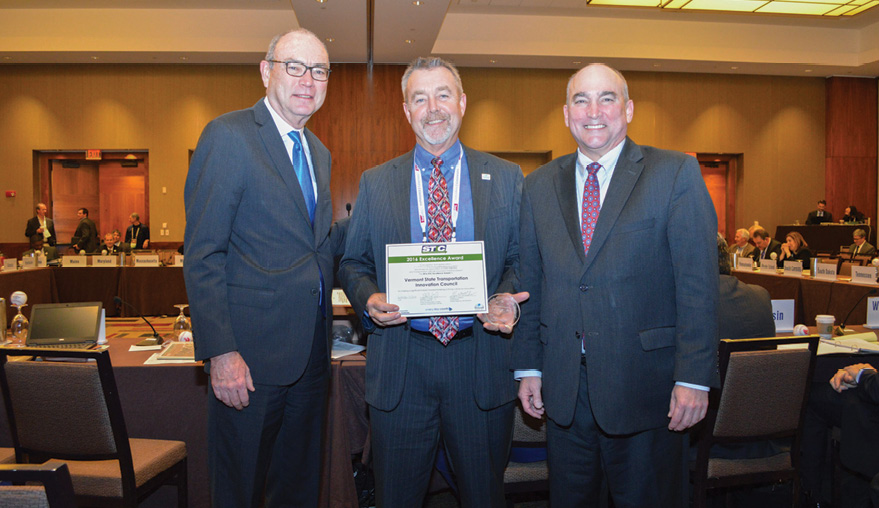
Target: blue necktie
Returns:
[[300, 164]]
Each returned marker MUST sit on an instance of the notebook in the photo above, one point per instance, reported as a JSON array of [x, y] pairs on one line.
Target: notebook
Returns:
[[63, 324]]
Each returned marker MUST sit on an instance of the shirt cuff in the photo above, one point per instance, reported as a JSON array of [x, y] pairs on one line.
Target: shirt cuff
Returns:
[[519, 374], [691, 385]]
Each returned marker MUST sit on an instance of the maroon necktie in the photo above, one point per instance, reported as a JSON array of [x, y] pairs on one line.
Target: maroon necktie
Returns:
[[591, 205], [439, 230]]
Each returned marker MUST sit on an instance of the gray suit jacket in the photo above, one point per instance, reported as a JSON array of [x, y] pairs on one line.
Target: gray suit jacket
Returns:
[[253, 261], [380, 217], [643, 300]]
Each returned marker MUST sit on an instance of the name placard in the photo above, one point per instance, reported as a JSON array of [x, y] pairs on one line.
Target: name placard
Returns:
[[178, 260], [104, 261], [783, 314], [864, 275], [873, 312], [745, 265], [146, 260], [825, 271], [793, 269], [41, 261], [74, 261], [10, 264], [768, 265], [28, 262]]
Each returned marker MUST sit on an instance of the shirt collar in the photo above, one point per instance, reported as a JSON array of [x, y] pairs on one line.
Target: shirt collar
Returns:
[[283, 127], [450, 158], [608, 161]]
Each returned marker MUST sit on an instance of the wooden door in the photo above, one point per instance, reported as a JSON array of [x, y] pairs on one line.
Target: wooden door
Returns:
[[122, 192], [72, 189]]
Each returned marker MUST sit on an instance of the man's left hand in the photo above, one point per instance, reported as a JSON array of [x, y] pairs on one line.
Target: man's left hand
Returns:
[[687, 407]]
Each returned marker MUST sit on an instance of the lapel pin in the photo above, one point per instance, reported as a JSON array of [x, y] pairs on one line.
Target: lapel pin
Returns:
[[486, 176]]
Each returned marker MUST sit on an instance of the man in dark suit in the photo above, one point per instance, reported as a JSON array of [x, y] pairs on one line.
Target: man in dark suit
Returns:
[[766, 245], [744, 311], [850, 402], [861, 247], [111, 247], [258, 274], [42, 225], [439, 376], [85, 238], [137, 235], [38, 245], [820, 215], [617, 249]]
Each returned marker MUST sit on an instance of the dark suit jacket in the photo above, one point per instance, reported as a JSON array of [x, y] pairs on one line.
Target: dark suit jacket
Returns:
[[381, 216], [866, 249], [86, 235], [814, 219], [50, 252], [744, 311], [253, 261], [644, 299], [33, 224], [774, 246], [860, 421], [143, 234]]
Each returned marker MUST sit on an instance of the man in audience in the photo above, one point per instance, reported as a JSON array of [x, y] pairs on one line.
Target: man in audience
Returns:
[[744, 311], [38, 245], [439, 376], [851, 402], [137, 236], [42, 225], [861, 247], [821, 215], [742, 247], [85, 238], [766, 246], [259, 272], [619, 338], [110, 246], [117, 242]]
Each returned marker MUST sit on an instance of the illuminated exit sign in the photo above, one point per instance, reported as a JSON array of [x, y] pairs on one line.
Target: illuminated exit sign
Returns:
[[92, 155]]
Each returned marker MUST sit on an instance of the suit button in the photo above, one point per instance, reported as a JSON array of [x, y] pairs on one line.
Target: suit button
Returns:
[[583, 287], [314, 292]]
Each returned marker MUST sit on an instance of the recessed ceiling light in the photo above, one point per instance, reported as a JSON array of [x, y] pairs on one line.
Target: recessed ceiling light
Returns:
[[492, 61], [657, 65], [184, 58], [808, 70], [417, 2], [95, 57], [321, 1], [576, 62], [408, 41], [7, 58], [330, 39], [734, 68]]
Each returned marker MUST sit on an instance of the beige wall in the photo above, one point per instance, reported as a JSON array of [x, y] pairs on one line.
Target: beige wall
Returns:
[[777, 122]]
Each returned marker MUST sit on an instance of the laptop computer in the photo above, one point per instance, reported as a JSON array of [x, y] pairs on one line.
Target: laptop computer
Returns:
[[67, 325]]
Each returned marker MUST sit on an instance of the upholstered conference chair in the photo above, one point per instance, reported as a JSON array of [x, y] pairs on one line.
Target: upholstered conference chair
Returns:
[[63, 410], [763, 396], [55, 489]]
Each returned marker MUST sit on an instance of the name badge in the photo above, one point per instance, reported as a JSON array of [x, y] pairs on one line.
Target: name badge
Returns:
[[74, 261], [104, 261], [864, 275], [793, 269], [825, 271], [745, 264], [146, 260], [783, 314]]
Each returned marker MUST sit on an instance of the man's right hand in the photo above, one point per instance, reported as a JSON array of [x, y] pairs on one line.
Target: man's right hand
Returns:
[[230, 379], [529, 396], [383, 313]]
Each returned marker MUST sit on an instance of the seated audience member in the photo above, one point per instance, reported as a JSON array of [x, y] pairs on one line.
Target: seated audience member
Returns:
[[85, 238], [41, 224], [852, 216], [111, 247], [795, 248], [851, 402], [766, 246], [117, 241], [39, 245], [137, 236], [820, 215], [742, 247], [861, 247]]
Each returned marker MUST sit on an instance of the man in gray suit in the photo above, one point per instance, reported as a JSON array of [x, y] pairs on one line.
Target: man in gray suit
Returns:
[[618, 252], [433, 376], [258, 274]]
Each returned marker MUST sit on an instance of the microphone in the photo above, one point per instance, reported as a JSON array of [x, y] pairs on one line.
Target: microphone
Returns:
[[155, 340], [348, 208], [839, 331]]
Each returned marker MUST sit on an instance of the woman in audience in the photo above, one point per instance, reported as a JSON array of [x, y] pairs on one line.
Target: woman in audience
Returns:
[[795, 248], [852, 215]]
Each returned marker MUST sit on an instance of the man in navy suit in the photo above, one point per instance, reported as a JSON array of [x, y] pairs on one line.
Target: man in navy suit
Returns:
[[618, 343], [258, 274], [421, 382]]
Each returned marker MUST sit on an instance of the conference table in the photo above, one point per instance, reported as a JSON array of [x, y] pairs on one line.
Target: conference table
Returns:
[[170, 402]]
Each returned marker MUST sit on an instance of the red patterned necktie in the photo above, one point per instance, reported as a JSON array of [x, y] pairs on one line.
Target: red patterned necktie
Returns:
[[439, 230], [591, 205]]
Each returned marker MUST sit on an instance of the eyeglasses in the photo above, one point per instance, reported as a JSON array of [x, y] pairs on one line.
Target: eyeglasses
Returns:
[[298, 69]]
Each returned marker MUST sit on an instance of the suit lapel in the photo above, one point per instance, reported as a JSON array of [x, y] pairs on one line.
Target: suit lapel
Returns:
[[399, 195], [625, 176], [480, 189], [275, 147], [566, 190], [323, 214]]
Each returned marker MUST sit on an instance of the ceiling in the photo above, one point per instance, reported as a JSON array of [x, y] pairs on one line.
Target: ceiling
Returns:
[[482, 33]]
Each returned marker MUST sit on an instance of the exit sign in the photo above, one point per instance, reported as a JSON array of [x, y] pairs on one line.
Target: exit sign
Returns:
[[92, 155]]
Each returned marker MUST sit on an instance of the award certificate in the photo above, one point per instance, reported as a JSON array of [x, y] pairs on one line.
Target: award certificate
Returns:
[[436, 279]]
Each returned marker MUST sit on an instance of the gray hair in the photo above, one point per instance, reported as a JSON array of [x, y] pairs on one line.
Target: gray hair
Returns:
[[270, 54], [744, 233], [427, 63], [618, 73], [860, 233]]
